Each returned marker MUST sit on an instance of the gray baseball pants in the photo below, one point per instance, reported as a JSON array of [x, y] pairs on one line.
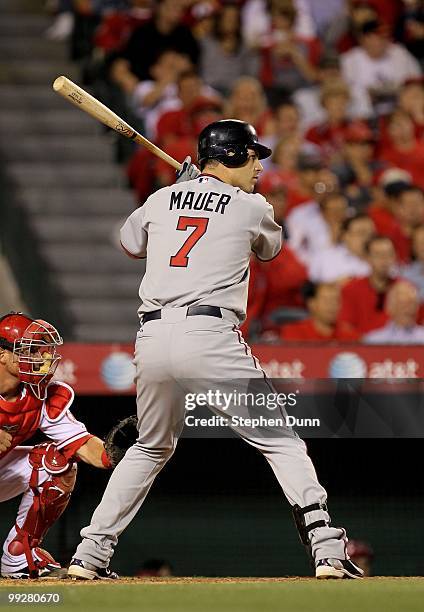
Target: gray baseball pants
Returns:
[[192, 350]]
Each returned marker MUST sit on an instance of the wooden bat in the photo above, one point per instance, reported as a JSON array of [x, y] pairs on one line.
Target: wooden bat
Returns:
[[89, 104]]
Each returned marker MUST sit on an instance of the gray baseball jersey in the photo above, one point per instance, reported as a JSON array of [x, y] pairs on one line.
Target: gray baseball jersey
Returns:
[[198, 237]]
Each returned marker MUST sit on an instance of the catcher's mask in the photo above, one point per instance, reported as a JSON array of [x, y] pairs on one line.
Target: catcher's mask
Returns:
[[33, 342]]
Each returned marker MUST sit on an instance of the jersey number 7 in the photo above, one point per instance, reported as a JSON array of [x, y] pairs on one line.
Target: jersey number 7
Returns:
[[200, 224]]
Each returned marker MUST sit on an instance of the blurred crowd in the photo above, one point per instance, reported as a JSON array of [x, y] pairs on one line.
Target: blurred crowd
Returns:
[[336, 89]]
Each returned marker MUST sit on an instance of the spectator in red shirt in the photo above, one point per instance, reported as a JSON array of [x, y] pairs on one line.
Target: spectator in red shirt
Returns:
[[411, 100], [275, 291], [274, 188], [363, 299], [277, 284], [388, 11], [177, 132], [404, 150], [308, 170], [284, 163], [342, 32], [410, 215], [117, 26], [202, 112], [331, 135], [151, 98], [286, 122], [247, 102], [288, 60], [285, 131], [356, 170], [404, 213], [344, 29], [390, 184], [323, 302], [176, 124]]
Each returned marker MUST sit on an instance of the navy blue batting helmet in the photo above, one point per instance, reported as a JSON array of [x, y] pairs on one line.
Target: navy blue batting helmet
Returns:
[[228, 142]]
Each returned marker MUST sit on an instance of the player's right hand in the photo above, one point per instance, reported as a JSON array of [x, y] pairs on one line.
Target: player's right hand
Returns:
[[5, 441], [188, 171]]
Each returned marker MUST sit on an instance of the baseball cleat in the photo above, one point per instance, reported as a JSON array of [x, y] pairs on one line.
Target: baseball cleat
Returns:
[[337, 568], [49, 571], [46, 567], [82, 570]]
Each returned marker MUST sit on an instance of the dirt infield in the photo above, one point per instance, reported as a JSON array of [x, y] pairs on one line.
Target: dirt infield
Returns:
[[185, 580], [147, 580]]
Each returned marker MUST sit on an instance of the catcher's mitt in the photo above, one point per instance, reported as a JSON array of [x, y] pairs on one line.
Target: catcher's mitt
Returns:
[[120, 438]]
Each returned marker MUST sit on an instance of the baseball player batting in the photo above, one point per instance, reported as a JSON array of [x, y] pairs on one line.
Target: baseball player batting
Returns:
[[198, 236], [45, 474]]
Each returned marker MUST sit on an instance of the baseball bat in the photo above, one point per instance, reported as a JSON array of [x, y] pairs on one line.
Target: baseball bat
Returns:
[[89, 104]]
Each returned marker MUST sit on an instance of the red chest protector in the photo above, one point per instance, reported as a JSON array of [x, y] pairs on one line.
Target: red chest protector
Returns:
[[22, 418]]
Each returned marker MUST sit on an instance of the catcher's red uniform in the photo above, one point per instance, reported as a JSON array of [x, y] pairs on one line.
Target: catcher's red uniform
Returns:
[[45, 474], [23, 417]]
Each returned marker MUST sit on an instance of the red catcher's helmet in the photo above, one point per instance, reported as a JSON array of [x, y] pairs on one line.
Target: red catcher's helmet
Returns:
[[34, 343]]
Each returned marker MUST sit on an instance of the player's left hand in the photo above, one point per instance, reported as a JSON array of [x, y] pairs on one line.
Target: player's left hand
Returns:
[[188, 171]]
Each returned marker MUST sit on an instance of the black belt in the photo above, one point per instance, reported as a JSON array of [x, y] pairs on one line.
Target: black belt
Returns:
[[192, 311]]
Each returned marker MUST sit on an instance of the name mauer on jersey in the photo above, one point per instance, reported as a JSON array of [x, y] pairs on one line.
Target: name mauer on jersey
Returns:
[[209, 201], [210, 233]]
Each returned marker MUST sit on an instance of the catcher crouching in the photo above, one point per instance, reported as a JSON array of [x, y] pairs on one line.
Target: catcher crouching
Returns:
[[45, 474]]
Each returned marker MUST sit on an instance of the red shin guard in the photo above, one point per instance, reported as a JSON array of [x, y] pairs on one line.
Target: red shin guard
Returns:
[[50, 500]]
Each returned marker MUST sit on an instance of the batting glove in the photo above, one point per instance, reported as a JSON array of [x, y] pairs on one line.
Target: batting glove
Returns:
[[188, 171]]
